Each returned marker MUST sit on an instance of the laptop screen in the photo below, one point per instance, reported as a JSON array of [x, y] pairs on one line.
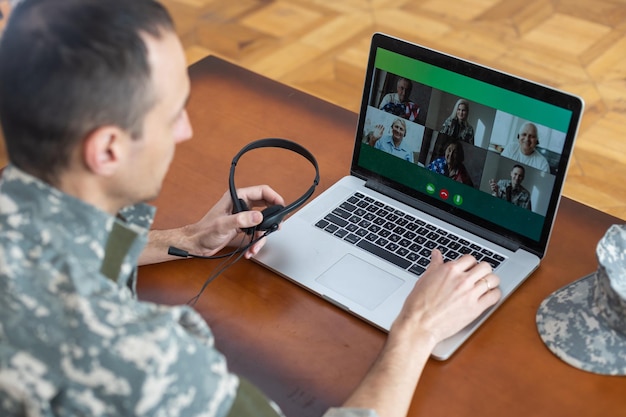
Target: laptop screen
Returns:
[[487, 148]]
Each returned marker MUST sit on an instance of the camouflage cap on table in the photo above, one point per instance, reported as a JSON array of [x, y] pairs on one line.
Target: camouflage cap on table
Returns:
[[584, 323]]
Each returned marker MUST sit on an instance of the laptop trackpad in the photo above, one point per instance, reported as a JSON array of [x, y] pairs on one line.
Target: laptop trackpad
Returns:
[[360, 281]]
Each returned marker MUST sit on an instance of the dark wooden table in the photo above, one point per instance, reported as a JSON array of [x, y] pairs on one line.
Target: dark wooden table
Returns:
[[304, 352]]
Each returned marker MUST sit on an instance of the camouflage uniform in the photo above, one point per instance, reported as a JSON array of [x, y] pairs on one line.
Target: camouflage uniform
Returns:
[[74, 339], [519, 196]]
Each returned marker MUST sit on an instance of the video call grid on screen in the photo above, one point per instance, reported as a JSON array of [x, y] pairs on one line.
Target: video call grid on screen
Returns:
[[495, 115]]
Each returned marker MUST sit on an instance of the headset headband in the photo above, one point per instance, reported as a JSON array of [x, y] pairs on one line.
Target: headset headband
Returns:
[[273, 215]]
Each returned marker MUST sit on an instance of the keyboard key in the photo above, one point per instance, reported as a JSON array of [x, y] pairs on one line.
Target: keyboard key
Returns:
[[347, 206], [382, 253], [365, 223], [452, 255], [361, 232], [415, 247], [374, 228], [395, 238], [430, 244], [465, 250], [391, 217], [392, 247], [417, 269], [341, 213], [399, 230], [409, 235], [494, 264], [367, 216], [336, 220], [331, 228], [403, 251], [382, 242], [405, 243], [352, 238], [454, 245], [371, 237], [423, 261], [321, 224]]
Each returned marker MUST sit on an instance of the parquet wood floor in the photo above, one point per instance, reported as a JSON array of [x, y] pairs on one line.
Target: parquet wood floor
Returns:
[[320, 46]]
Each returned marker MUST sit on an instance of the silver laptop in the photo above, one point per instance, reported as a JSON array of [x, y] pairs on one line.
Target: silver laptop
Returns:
[[439, 149]]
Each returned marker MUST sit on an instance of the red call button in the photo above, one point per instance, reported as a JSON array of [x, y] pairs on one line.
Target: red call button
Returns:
[[444, 194]]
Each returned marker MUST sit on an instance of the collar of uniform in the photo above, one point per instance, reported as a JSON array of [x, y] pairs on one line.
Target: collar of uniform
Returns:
[[112, 244]]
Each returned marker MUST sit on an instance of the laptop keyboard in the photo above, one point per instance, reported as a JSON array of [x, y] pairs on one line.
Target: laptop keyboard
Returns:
[[396, 236]]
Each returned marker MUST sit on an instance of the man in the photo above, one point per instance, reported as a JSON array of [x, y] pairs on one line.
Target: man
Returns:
[[391, 143], [525, 150], [399, 103], [512, 190], [92, 104]]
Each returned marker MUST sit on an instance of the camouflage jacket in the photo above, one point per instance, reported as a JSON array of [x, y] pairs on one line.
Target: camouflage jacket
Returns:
[[74, 339]]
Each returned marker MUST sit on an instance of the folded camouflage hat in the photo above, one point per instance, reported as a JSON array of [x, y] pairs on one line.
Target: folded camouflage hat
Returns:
[[584, 323]]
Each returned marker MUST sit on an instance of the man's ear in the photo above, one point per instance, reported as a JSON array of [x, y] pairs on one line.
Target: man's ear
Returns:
[[103, 150]]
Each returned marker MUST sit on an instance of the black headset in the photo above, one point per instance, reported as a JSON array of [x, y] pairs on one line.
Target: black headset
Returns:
[[272, 215]]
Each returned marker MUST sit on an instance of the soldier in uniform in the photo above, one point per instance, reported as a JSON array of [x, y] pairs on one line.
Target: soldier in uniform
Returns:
[[92, 105]]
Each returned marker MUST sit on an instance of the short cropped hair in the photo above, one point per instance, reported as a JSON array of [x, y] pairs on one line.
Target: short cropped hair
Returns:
[[68, 67], [520, 167]]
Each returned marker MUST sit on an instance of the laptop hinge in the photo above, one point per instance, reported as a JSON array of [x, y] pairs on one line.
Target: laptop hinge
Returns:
[[444, 216]]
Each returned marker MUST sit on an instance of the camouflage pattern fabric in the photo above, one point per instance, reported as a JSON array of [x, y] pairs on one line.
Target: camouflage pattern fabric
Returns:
[[519, 196], [74, 340], [584, 323], [464, 131]]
